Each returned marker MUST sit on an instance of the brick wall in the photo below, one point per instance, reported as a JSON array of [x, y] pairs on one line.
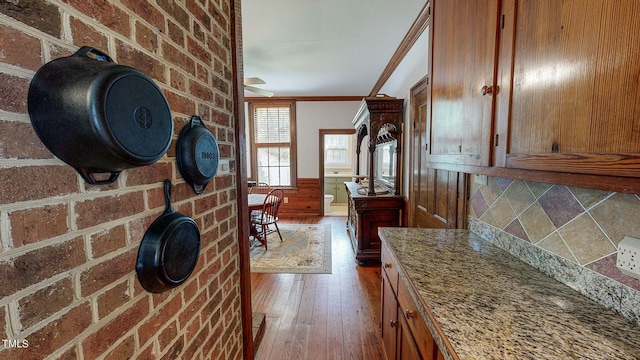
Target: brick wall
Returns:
[[68, 288]]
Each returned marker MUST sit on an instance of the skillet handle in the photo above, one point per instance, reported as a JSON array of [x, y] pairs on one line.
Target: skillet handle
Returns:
[[167, 196], [91, 53], [87, 175], [199, 189], [198, 118]]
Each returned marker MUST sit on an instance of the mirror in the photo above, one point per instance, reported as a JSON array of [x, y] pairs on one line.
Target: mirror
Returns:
[[385, 165]]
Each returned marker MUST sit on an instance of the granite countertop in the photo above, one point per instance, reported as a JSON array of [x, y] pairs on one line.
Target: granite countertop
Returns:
[[490, 305]]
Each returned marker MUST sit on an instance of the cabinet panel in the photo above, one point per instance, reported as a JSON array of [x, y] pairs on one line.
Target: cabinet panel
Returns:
[[573, 92], [389, 320], [463, 63], [416, 323]]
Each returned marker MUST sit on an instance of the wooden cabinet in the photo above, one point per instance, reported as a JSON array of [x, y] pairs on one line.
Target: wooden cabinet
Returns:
[[335, 186], [404, 332], [462, 79], [536, 85], [365, 215], [570, 97]]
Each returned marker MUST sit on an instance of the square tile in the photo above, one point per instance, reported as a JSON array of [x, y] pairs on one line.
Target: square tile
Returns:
[[560, 205], [585, 240], [502, 212], [554, 244], [536, 223], [519, 196], [618, 216]]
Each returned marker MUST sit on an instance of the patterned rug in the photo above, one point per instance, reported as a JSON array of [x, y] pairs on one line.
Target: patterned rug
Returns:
[[305, 249]]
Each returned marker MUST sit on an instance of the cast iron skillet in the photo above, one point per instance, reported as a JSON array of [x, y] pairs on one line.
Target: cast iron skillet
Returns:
[[197, 154], [169, 250]]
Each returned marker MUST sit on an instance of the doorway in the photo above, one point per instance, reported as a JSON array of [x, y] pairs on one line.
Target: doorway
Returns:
[[337, 165]]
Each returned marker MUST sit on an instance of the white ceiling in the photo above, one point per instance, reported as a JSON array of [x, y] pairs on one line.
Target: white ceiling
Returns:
[[322, 47]]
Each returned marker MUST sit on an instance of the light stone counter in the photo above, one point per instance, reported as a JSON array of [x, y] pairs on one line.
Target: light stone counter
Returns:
[[487, 304]]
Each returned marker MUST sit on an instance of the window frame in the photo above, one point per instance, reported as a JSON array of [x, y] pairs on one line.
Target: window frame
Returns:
[[253, 148]]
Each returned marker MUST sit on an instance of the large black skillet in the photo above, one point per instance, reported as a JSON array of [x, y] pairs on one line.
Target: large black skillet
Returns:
[[169, 250]]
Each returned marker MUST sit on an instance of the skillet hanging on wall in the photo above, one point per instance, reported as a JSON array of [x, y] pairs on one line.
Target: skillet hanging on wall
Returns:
[[169, 249], [197, 154], [98, 116]]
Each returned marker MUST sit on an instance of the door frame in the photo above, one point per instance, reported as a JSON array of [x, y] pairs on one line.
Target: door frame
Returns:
[[321, 134], [423, 82]]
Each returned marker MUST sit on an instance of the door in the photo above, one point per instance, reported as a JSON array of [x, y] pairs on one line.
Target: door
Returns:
[[434, 193]]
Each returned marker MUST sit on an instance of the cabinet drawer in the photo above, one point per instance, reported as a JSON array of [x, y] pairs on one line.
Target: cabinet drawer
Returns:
[[389, 269], [421, 334]]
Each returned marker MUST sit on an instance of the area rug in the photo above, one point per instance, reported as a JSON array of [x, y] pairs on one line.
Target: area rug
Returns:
[[305, 249]]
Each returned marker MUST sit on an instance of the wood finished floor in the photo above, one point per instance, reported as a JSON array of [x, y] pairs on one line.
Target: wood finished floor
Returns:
[[321, 316]]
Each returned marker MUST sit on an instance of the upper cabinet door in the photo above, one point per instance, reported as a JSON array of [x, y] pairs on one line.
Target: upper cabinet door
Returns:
[[569, 86], [463, 64]]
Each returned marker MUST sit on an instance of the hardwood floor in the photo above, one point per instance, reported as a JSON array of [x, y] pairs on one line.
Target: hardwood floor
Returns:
[[321, 316]]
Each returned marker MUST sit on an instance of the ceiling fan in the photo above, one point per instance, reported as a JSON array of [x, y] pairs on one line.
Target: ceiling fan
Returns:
[[248, 82]]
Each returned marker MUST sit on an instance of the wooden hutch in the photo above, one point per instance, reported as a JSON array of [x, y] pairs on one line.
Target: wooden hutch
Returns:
[[376, 202]]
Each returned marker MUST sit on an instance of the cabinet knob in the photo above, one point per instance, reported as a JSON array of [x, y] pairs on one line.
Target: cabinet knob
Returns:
[[410, 314], [487, 90], [394, 323], [388, 265]]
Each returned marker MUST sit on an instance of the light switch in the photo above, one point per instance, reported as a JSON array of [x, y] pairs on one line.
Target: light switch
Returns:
[[223, 167]]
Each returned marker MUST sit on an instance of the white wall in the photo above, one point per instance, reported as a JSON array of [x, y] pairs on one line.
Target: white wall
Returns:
[[412, 68], [311, 116]]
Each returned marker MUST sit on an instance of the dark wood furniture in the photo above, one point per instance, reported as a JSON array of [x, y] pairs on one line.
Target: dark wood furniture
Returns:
[[378, 124], [380, 120], [365, 215]]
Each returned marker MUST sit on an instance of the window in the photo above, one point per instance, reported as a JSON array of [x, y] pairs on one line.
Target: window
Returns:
[[337, 151], [273, 146]]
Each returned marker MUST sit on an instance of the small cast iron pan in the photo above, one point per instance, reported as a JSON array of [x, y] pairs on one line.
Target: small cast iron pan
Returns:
[[197, 154], [169, 250]]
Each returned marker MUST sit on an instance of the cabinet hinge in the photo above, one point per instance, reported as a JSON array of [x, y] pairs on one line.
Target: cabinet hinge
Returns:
[[426, 147], [502, 22], [495, 140]]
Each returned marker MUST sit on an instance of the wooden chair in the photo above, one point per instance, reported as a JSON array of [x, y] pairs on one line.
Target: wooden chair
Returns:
[[268, 216], [260, 188]]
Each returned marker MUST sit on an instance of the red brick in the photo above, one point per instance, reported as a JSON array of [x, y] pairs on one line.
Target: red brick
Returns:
[[84, 34], [13, 92], [111, 332], [37, 182], [131, 56], [176, 12], [202, 73], [160, 317], [178, 80], [112, 299], [221, 118], [18, 48], [179, 103], [190, 310], [100, 210], [107, 272], [45, 302], [19, 141], [199, 13], [167, 336], [39, 14], [124, 350], [200, 91], [147, 353], [198, 51], [179, 58], [146, 36], [35, 224], [175, 32], [54, 335], [147, 11], [40, 264], [175, 350], [150, 174], [105, 13], [196, 344], [224, 212], [107, 241], [70, 354], [3, 322]]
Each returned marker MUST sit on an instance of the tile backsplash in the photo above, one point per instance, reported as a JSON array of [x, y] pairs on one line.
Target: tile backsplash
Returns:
[[570, 233]]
